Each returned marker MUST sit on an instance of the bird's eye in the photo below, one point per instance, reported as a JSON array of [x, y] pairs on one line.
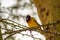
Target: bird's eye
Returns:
[[28, 18]]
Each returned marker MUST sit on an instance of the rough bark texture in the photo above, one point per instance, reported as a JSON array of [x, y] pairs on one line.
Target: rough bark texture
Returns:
[[49, 12]]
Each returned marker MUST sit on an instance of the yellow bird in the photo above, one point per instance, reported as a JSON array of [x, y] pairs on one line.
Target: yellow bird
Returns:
[[32, 22]]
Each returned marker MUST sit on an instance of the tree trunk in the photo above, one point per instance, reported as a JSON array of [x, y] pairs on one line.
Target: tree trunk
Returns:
[[0, 34], [49, 12]]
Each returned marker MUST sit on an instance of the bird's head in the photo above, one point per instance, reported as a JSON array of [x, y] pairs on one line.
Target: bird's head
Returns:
[[28, 17]]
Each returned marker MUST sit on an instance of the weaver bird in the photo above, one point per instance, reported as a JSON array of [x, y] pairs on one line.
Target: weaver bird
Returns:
[[32, 22]]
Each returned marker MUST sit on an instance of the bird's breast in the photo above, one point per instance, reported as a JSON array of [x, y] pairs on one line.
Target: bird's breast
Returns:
[[32, 24]]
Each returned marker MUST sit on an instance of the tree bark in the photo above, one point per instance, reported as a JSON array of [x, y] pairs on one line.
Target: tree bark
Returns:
[[0, 34], [49, 12]]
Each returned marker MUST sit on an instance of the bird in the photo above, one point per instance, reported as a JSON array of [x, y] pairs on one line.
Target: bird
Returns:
[[32, 23]]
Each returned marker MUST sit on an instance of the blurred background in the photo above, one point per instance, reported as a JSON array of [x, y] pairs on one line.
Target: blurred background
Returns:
[[17, 10]]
